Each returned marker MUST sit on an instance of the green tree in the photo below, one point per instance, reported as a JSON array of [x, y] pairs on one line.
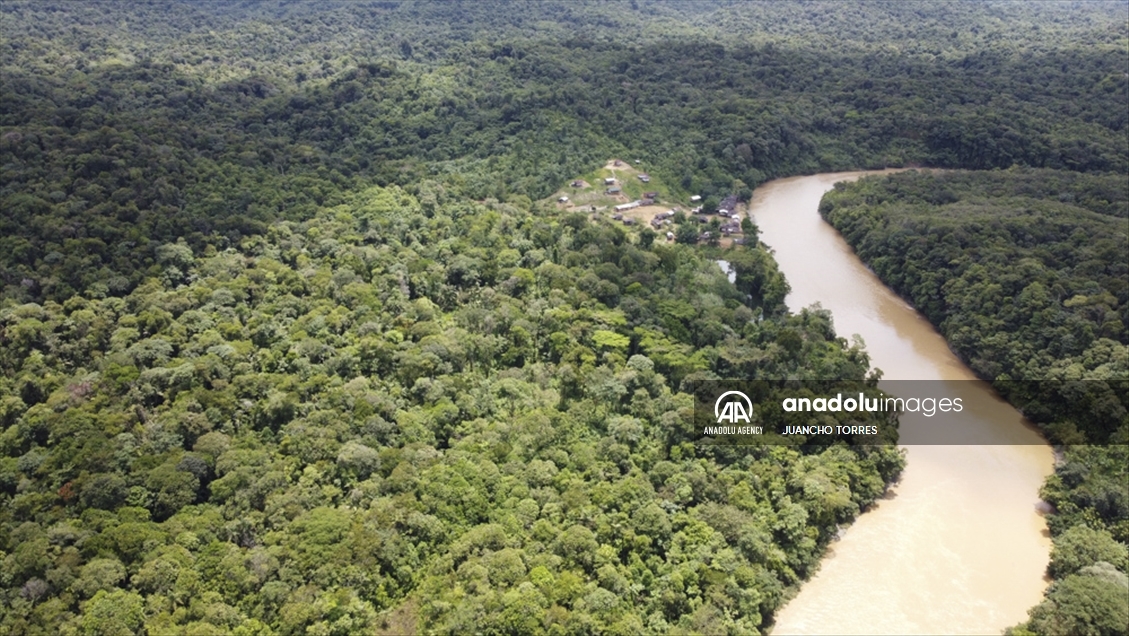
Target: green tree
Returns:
[[687, 234], [113, 613], [1080, 604], [1082, 546]]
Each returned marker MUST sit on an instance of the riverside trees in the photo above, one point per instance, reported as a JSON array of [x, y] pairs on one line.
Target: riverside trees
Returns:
[[393, 405], [1026, 274]]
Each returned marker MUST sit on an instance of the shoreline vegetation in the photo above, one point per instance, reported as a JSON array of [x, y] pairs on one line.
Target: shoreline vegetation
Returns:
[[1053, 311], [292, 340]]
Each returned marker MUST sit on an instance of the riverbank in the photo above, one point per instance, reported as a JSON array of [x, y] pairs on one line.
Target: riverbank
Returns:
[[960, 545]]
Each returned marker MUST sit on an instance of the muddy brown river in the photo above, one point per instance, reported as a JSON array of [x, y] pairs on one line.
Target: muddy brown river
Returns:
[[960, 545]]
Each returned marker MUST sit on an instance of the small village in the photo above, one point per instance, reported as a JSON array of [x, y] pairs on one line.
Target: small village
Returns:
[[620, 192]]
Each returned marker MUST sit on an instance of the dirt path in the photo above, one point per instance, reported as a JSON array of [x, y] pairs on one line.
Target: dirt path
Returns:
[[643, 214]]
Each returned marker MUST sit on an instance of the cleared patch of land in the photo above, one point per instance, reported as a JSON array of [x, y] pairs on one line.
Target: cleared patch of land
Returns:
[[644, 213], [589, 194], [590, 190]]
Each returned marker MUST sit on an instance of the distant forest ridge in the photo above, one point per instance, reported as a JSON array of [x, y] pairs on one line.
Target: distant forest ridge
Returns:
[[255, 29], [121, 126]]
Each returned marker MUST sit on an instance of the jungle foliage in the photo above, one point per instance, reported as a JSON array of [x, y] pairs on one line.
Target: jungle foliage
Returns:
[[288, 346], [1025, 273], [469, 410], [125, 129]]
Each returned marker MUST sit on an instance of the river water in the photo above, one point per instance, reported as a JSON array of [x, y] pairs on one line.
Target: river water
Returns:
[[959, 546]]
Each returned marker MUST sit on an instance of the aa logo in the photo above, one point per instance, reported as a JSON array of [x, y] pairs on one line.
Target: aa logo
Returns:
[[736, 408]]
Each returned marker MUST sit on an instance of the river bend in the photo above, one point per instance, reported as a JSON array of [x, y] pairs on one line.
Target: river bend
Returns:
[[960, 545]]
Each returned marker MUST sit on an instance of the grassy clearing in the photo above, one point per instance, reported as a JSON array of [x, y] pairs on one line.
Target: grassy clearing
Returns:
[[590, 196], [593, 193]]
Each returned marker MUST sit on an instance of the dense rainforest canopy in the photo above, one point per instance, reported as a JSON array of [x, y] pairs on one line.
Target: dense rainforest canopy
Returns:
[[128, 128], [467, 406], [1025, 272], [289, 343]]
